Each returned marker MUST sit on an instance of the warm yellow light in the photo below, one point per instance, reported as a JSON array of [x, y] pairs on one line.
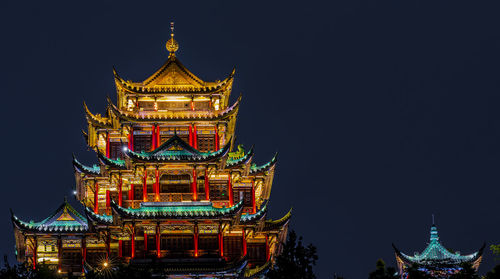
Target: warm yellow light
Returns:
[[216, 105], [59, 271], [105, 264]]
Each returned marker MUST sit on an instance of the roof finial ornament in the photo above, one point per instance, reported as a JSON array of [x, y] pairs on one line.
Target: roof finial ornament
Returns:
[[433, 223], [172, 45]]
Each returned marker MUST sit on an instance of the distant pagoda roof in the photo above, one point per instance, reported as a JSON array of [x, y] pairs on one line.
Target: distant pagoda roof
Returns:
[[64, 219], [176, 149], [187, 210], [436, 254], [267, 166]]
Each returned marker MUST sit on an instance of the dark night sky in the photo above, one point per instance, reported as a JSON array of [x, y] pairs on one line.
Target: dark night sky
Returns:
[[383, 112]]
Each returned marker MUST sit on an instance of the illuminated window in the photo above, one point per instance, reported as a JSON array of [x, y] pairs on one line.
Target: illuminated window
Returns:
[[175, 183], [142, 143], [116, 150], [206, 143], [216, 105], [218, 190], [232, 246]]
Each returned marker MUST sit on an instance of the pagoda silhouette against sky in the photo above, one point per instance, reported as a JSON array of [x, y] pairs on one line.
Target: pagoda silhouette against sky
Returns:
[[436, 261], [168, 193]]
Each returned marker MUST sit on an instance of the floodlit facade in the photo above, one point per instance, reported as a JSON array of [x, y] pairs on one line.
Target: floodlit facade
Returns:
[[168, 191]]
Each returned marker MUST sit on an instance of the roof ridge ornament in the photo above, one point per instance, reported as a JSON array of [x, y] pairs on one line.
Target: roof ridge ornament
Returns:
[[172, 45]]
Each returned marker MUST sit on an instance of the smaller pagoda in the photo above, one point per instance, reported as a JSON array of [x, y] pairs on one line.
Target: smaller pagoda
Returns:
[[436, 261]]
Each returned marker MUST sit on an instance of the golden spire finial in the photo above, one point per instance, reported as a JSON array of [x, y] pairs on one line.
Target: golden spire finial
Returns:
[[172, 45]]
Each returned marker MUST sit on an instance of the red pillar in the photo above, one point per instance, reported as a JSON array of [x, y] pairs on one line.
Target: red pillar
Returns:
[[145, 244], [207, 188], [108, 199], [133, 243], [158, 251], [230, 191], [254, 207], [195, 137], [244, 242], [158, 136], [153, 137], [216, 138], [120, 194], [120, 251], [131, 192], [35, 248], [108, 246], [194, 185], [196, 240], [192, 104], [131, 139], [84, 253], [96, 198], [145, 186], [221, 241], [107, 144], [268, 255], [59, 253], [157, 185], [190, 135]]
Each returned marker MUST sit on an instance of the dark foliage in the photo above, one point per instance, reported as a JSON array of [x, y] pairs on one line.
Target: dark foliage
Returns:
[[23, 271], [383, 272], [494, 273], [296, 261]]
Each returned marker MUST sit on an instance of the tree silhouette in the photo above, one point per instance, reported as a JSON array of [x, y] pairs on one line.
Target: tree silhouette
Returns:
[[494, 273], [296, 261], [383, 272]]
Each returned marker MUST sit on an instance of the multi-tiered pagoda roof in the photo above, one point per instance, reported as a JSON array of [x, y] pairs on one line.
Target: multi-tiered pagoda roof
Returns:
[[169, 189], [436, 260]]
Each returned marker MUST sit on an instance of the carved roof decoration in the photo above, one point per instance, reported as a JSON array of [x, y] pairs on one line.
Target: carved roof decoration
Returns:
[[241, 160], [101, 219], [175, 149], [117, 164], [97, 119], [278, 224], [258, 271], [436, 254], [187, 211], [173, 77], [64, 219], [79, 167], [185, 115], [247, 218], [267, 166]]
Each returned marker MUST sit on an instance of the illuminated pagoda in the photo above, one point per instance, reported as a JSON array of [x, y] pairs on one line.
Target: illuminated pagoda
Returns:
[[436, 260], [168, 191]]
